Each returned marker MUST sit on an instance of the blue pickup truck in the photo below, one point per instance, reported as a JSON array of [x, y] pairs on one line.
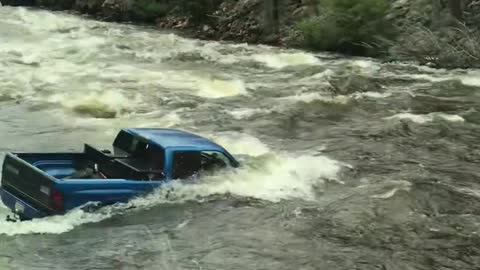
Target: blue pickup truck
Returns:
[[36, 185]]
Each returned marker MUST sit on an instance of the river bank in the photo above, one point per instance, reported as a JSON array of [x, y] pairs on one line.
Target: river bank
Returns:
[[425, 31], [245, 21]]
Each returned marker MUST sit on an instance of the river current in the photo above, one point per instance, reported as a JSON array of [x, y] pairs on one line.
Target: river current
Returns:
[[347, 163]]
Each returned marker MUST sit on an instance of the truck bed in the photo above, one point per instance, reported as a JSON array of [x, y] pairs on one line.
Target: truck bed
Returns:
[[46, 180], [56, 165]]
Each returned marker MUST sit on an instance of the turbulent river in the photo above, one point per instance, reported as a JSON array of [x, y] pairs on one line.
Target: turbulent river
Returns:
[[348, 163]]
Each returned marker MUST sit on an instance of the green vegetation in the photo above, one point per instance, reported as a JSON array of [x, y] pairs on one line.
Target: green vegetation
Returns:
[[196, 10], [151, 9], [348, 26]]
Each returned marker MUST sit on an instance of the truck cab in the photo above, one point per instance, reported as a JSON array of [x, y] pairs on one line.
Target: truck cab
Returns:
[[141, 160], [169, 154]]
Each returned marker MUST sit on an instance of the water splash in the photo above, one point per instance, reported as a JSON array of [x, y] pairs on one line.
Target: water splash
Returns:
[[53, 224], [240, 143]]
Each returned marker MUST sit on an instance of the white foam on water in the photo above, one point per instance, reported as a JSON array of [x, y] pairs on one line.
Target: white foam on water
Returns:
[[217, 88], [173, 47], [53, 224], [279, 177], [386, 195], [282, 60], [324, 75], [240, 143], [370, 94], [203, 85], [183, 224], [321, 79], [452, 118], [106, 101], [244, 113], [169, 120], [422, 68], [46, 21], [473, 79], [469, 191], [365, 66], [425, 118], [420, 119], [425, 77], [311, 97], [392, 186]]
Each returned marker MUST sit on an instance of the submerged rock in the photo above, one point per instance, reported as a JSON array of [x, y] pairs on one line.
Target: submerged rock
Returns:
[[97, 110]]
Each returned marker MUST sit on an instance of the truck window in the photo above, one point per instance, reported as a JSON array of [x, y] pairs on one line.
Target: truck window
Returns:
[[122, 142], [186, 164], [189, 163], [128, 143], [153, 156]]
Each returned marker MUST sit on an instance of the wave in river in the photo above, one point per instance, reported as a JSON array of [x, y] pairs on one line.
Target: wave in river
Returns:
[[106, 104], [215, 88]]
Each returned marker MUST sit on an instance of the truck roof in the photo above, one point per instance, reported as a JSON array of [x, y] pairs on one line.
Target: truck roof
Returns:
[[172, 138]]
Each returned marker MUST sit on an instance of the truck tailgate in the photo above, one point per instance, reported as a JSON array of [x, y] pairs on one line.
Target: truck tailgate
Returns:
[[27, 182]]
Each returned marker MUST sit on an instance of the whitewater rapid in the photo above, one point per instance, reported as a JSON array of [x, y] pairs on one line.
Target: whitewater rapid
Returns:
[[82, 80]]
